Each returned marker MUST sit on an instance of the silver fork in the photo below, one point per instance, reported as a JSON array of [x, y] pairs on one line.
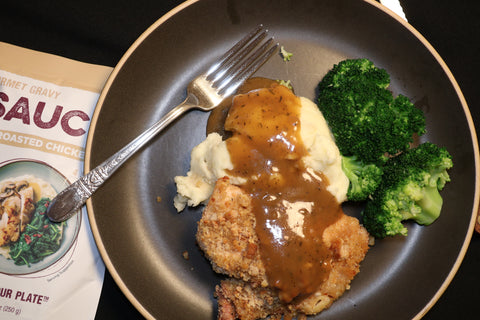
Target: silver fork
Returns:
[[205, 93]]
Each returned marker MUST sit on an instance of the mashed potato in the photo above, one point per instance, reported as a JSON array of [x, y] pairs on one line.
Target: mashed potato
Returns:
[[210, 161], [324, 155]]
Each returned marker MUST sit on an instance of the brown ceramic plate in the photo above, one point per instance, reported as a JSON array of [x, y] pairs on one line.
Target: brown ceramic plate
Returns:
[[140, 235]]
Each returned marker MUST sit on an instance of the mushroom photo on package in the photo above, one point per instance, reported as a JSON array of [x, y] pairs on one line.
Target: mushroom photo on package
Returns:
[[27, 236]]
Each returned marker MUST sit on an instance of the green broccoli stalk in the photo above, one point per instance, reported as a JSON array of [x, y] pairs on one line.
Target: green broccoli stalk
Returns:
[[409, 191], [364, 178]]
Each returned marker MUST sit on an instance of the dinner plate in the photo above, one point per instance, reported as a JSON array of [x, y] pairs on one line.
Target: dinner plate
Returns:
[[15, 168], [150, 249]]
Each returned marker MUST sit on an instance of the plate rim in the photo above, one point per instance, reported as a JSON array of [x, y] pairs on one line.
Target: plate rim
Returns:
[[96, 233]]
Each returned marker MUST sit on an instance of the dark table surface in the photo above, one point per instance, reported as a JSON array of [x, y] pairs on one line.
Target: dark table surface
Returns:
[[100, 31]]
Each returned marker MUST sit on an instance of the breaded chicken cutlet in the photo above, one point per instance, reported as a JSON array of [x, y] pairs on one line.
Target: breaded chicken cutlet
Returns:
[[17, 206], [226, 234]]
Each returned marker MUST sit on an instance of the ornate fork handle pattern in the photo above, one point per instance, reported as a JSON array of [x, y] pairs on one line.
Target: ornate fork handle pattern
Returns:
[[67, 202], [82, 189], [89, 183]]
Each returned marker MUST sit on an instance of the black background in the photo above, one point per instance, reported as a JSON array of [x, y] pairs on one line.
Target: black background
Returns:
[[101, 31]]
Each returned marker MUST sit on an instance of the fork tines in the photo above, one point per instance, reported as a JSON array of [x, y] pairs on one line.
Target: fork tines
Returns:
[[239, 63]]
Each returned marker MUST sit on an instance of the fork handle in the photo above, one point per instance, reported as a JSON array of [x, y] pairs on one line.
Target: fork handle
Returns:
[[69, 200]]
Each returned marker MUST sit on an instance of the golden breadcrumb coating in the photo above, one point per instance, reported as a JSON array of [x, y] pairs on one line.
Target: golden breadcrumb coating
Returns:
[[226, 234]]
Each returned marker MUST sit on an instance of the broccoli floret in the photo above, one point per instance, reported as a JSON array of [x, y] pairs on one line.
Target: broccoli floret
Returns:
[[365, 118], [286, 83], [409, 190], [285, 54], [364, 178]]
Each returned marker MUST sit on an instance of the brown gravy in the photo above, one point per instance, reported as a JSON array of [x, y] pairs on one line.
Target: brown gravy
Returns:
[[216, 120], [291, 204]]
